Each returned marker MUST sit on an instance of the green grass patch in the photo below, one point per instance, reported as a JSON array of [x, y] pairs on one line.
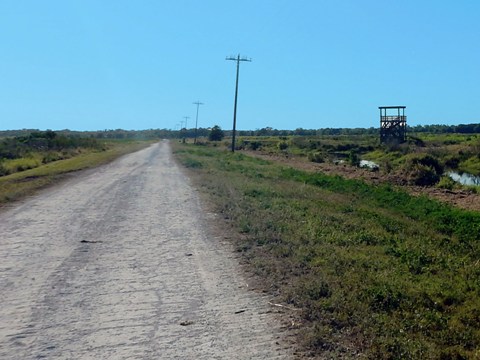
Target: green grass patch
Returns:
[[375, 271]]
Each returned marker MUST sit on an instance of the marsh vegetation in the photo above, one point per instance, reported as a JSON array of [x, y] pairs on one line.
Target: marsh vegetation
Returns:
[[423, 160]]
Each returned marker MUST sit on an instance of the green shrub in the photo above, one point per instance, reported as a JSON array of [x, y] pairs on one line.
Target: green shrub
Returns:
[[250, 145], [300, 142], [353, 158], [52, 156], [422, 175], [416, 141], [282, 145], [3, 170], [452, 162], [422, 169], [316, 156], [446, 182]]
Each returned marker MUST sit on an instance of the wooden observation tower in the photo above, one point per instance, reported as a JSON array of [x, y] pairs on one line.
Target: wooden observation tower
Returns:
[[393, 124]]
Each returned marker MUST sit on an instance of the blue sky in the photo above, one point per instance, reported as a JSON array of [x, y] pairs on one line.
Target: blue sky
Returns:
[[140, 64]]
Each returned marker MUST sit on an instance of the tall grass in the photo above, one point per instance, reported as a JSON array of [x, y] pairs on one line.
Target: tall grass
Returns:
[[377, 273], [17, 165]]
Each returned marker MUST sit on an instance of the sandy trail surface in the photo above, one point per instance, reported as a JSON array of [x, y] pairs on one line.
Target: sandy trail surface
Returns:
[[119, 263]]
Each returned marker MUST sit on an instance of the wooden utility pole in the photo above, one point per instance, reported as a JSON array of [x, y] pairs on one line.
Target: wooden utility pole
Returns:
[[198, 103], [186, 118], [237, 59]]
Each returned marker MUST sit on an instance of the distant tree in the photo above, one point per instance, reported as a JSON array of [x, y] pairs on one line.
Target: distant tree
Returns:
[[216, 134], [49, 134]]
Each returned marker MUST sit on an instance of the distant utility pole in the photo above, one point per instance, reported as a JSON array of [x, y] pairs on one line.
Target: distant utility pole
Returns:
[[186, 118], [198, 103], [237, 59]]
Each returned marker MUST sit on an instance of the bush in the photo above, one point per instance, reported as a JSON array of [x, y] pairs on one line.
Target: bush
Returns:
[[255, 145], [3, 170], [300, 142], [423, 170], [422, 175], [353, 158], [416, 141], [316, 156], [51, 156], [446, 182], [250, 145], [452, 162], [282, 145]]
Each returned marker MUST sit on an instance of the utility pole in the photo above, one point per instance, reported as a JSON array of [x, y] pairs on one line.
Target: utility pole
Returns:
[[237, 59], [198, 103], [186, 118]]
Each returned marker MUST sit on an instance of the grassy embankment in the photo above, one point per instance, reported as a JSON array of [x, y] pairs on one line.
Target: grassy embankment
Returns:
[[376, 272], [23, 183]]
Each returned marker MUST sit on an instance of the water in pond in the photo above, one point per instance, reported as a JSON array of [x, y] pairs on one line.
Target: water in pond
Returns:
[[464, 178]]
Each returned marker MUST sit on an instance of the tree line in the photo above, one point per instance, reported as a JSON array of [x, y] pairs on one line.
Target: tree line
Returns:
[[151, 134]]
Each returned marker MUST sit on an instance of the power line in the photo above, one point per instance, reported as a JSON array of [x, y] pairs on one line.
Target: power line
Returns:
[[198, 103], [237, 59]]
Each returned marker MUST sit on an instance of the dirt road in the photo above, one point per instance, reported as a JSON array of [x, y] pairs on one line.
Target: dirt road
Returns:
[[119, 263]]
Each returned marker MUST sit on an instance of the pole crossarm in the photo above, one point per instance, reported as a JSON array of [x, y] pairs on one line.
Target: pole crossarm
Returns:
[[238, 59]]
